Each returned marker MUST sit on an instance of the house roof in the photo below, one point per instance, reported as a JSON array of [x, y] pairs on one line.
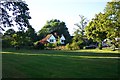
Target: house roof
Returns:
[[62, 37], [44, 40]]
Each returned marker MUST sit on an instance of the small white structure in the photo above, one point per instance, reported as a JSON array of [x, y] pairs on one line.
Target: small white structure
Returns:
[[117, 39], [52, 39], [62, 39]]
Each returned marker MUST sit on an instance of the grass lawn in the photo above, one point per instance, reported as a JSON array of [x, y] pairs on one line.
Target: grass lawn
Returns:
[[60, 64]]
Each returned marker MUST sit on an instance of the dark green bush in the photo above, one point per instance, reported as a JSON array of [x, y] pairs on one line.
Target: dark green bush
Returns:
[[38, 45], [100, 46]]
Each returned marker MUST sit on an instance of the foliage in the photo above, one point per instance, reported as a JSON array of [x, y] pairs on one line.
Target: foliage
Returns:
[[18, 39], [21, 39], [14, 13], [31, 35], [95, 29], [105, 25], [50, 45], [38, 45], [100, 45], [58, 43], [74, 46], [9, 32], [6, 43], [112, 11], [68, 47], [55, 26], [7, 38], [78, 39], [82, 24], [113, 47]]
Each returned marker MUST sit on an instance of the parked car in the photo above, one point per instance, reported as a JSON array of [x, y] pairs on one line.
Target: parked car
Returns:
[[91, 46], [105, 45]]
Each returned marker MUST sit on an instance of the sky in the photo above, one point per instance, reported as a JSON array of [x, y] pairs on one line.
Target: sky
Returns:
[[67, 11]]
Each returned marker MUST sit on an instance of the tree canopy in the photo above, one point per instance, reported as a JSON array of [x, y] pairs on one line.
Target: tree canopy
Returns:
[[106, 24], [82, 24], [55, 26], [14, 14]]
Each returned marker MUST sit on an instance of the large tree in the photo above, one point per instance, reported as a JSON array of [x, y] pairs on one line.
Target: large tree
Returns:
[[105, 25], [112, 11], [79, 36], [55, 26], [31, 34], [14, 13], [95, 29]]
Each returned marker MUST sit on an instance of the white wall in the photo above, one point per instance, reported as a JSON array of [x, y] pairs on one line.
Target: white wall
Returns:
[[52, 38]]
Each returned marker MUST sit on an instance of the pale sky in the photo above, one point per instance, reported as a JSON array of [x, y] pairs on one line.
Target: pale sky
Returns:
[[67, 11]]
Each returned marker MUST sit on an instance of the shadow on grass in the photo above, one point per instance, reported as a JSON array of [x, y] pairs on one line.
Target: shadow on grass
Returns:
[[57, 63], [61, 53]]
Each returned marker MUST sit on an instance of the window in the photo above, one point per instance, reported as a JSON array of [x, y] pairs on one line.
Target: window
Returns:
[[62, 40], [51, 40]]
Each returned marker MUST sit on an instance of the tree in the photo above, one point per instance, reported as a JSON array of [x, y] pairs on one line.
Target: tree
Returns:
[[19, 39], [82, 24], [95, 29], [79, 39], [31, 35], [7, 38], [79, 33], [105, 25], [55, 26], [14, 14], [112, 11], [9, 32]]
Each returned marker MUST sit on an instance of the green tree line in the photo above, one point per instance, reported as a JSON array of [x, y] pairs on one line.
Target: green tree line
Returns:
[[105, 25]]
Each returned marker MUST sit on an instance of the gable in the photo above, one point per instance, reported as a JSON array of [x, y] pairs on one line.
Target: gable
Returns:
[[52, 37], [62, 37]]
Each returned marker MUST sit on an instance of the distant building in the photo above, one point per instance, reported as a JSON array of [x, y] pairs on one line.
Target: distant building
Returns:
[[53, 38]]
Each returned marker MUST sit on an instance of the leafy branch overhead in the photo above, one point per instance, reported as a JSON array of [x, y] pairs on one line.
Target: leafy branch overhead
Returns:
[[14, 13]]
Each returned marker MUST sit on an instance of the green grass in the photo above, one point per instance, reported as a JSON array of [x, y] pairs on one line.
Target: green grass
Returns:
[[60, 64]]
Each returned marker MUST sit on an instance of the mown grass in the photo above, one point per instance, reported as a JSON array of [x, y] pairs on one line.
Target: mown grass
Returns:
[[59, 64]]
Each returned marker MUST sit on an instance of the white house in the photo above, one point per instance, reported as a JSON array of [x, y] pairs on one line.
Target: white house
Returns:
[[53, 39]]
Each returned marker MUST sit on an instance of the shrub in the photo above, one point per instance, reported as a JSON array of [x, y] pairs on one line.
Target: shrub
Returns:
[[100, 46], [51, 45], [38, 45], [75, 46], [6, 43], [113, 47], [68, 47]]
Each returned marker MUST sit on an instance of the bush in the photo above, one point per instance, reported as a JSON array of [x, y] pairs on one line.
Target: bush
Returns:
[[75, 46], [68, 47], [51, 45], [100, 46], [113, 47], [6, 43], [38, 45]]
